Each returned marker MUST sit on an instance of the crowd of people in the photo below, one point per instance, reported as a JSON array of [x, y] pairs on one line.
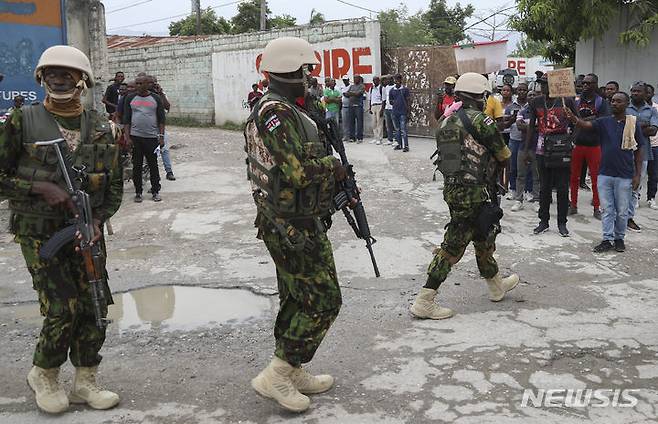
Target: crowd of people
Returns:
[[557, 144], [138, 107]]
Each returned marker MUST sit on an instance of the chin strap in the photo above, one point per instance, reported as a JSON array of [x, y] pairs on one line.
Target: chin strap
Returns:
[[288, 80], [65, 97]]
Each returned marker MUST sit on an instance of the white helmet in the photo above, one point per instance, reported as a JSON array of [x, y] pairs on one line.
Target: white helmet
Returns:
[[65, 57], [287, 54], [473, 83]]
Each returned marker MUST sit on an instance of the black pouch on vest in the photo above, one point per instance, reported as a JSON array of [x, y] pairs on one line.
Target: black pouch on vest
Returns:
[[488, 219], [557, 150]]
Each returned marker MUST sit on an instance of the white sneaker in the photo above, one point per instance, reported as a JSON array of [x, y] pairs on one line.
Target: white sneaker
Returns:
[[518, 205], [373, 141], [537, 207], [511, 195], [527, 196], [378, 142], [652, 204]]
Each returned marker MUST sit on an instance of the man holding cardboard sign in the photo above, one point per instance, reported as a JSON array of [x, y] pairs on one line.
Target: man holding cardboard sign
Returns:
[[549, 121]]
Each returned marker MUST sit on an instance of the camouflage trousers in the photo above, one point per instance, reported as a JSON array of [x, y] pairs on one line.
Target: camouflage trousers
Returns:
[[69, 326], [460, 232], [309, 294]]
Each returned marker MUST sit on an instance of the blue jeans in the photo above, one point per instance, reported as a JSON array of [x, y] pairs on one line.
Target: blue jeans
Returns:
[[515, 146], [400, 124], [355, 116], [615, 194], [331, 115], [637, 195], [390, 129], [164, 152]]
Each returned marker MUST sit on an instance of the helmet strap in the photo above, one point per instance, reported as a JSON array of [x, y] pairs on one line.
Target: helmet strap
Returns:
[[66, 104], [288, 80]]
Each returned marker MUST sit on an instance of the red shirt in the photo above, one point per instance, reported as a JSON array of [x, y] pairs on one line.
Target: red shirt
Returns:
[[447, 101]]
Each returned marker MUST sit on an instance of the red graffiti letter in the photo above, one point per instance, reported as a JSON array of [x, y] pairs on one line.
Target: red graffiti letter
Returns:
[[358, 68], [317, 68], [342, 69], [326, 64]]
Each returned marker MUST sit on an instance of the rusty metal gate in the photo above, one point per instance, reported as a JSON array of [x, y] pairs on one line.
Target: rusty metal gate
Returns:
[[424, 69]]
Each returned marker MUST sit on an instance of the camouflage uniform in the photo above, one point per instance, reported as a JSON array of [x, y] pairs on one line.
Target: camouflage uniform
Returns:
[[465, 203], [289, 221], [64, 294]]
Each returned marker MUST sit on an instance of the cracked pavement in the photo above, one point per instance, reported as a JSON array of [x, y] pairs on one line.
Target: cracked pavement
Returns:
[[186, 355]]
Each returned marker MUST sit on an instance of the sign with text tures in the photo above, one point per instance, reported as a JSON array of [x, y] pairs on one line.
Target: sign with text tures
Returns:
[[28, 27], [561, 83]]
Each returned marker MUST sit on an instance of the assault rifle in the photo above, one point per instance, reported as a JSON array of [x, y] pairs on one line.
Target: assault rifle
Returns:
[[83, 224], [349, 192]]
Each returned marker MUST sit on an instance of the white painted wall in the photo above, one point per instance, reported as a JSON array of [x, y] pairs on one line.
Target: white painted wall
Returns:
[[494, 55], [611, 60], [234, 71], [207, 79]]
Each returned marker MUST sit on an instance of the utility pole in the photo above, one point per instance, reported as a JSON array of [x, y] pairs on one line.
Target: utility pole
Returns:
[[196, 11], [263, 15]]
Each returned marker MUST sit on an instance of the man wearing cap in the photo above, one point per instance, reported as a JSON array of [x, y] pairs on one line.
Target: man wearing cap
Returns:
[[446, 98], [40, 206], [345, 107], [293, 182], [469, 152]]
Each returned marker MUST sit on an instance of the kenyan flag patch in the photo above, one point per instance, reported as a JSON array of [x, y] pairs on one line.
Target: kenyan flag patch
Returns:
[[272, 123]]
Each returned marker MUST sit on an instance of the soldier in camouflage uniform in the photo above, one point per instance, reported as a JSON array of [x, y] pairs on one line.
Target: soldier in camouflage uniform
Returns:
[[470, 149], [40, 206], [293, 180]]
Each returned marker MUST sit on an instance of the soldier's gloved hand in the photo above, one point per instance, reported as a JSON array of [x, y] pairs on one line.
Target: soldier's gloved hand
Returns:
[[340, 172], [54, 195]]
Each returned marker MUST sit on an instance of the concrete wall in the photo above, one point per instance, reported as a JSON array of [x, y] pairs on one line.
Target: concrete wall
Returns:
[[611, 60], [208, 79], [344, 49], [85, 29]]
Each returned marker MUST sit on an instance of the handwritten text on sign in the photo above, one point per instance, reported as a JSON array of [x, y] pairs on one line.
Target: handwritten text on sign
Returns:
[[560, 83]]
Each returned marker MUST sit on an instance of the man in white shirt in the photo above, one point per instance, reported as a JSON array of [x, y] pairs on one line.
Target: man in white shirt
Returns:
[[387, 83], [375, 109], [345, 124]]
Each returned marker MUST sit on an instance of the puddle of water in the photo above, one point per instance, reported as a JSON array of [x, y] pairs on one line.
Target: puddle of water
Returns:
[[172, 308]]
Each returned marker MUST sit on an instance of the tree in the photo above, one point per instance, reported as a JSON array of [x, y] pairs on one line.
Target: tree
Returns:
[[527, 47], [282, 21], [447, 24], [560, 24], [317, 18], [248, 17], [438, 25], [210, 24]]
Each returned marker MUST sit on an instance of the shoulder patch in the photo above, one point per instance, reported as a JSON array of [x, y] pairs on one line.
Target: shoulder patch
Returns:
[[488, 120], [272, 123]]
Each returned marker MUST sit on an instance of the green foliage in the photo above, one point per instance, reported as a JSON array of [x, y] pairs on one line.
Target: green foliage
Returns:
[[317, 18], [438, 25], [529, 48], [447, 24], [210, 24], [560, 24], [282, 21], [248, 17]]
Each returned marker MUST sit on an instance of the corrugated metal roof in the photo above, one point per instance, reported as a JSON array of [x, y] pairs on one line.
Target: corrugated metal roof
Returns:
[[125, 41]]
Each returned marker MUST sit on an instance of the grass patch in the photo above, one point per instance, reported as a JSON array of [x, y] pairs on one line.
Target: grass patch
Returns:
[[187, 122], [191, 122], [232, 126]]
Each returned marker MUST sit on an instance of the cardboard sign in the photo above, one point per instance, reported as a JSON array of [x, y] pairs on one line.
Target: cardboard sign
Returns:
[[561, 83]]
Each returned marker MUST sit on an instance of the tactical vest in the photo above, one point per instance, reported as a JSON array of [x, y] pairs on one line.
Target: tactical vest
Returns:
[[270, 186], [95, 152], [460, 158]]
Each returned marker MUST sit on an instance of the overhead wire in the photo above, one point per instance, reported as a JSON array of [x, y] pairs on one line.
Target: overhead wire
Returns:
[[128, 6], [175, 16]]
